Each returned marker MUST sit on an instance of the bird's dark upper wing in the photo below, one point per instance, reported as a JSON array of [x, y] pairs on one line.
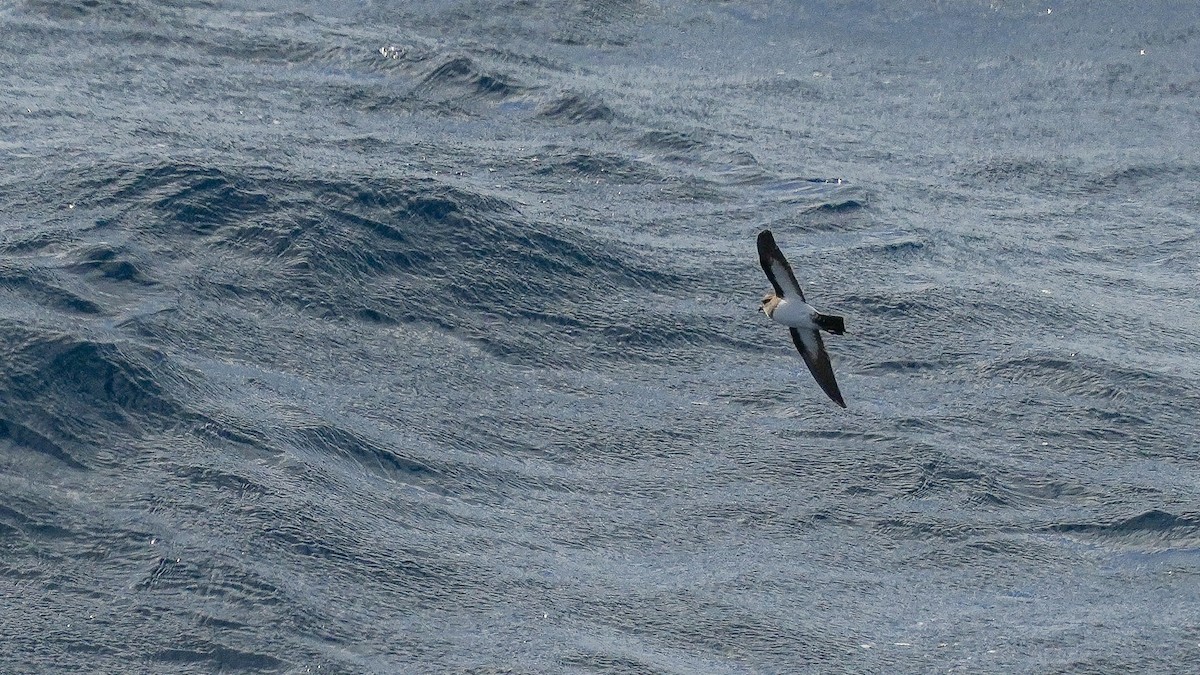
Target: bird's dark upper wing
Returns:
[[812, 348], [777, 268]]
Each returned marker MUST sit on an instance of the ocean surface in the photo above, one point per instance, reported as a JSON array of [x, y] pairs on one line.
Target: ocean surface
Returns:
[[421, 337]]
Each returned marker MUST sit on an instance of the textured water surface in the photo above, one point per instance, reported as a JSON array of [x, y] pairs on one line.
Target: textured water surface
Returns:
[[422, 337]]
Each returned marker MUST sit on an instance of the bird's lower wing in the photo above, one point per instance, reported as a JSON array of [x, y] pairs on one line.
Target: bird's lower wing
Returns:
[[812, 348]]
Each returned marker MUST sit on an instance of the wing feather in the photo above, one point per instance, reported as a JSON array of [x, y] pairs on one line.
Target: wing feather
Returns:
[[777, 268], [812, 348]]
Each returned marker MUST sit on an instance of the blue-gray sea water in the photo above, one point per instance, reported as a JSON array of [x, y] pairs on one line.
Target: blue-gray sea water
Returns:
[[421, 337]]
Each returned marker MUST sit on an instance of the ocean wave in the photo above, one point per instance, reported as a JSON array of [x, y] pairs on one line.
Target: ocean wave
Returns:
[[462, 73], [41, 288], [68, 391], [577, 108], [328, 324], [1155, 529], [412, 251]]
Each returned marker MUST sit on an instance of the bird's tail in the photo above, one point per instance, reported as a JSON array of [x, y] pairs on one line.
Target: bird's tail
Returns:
[[831, 324]]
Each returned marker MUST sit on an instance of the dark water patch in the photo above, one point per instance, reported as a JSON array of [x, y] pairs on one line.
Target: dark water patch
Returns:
[[42, 289], [226, 484], [682, 143], [23, 436], [1010, 545], [785, 87], [905, 366], [926, 473], [761, 399], [923, 529], [817, 196], [903, 247], [306, 537], [78, 387], [106, 262], [1028, 488], [400, 570], [172, 578], [104, 10], [173, 574], [839, 204], [591, 438], [947, 315], [592, 661], [1090, 376], [1029, 173], [838, 434], [716, 625], [816, 220], [691, 189], [31, 521], [1156, 529], [607, 166], [1118, 419], [17, 243], [1154, 520], [373, 456], [939, 474], [601, 24], [519, 57], [664, 338], [189, 198], [251, 49], [386, 255], [1142, 178], [216, 658], [449, 254], [462, 75], [917, 303], [452, 466], [576, 108], [232, 433], [501, 473], [91, 371], [529, 346]]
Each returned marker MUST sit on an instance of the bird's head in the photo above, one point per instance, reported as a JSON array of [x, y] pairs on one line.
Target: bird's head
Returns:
[[768, 304]]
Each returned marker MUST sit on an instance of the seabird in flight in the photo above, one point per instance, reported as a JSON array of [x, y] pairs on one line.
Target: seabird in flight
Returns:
[[788, 307]]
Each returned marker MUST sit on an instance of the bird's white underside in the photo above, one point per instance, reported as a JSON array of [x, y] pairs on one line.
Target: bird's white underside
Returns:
[[794, 314]]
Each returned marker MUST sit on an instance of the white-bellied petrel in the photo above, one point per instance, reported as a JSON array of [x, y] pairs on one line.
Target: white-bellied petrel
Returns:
[[788, 307]]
